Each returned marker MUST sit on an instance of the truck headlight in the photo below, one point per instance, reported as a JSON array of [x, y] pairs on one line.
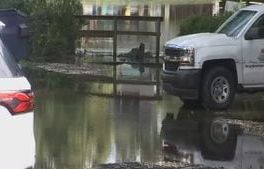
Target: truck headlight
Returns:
[[188, 57], [183, 56]]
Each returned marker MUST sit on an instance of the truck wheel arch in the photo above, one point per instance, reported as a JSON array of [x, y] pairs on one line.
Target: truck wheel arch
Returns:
[[227, 63]]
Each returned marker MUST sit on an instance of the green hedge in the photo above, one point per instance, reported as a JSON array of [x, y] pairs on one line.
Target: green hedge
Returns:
[[19, 4], [199, 24], [54, 28]]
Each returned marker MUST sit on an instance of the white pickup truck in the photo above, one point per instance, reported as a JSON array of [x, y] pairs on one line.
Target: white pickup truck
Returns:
[[212, 67]]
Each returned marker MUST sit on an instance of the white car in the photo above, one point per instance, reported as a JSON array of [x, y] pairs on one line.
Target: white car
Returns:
[[17, 142]]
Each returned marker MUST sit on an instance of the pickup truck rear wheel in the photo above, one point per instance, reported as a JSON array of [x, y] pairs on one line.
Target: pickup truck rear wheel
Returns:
[[218, 88]]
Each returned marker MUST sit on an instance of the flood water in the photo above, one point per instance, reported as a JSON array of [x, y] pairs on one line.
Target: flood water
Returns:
[[75, 127], [78, 125]]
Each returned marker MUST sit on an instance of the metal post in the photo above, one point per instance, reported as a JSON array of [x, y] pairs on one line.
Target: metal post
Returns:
[[158, 80], [157, 40], [114, 57], [115, 40], [114, 80]]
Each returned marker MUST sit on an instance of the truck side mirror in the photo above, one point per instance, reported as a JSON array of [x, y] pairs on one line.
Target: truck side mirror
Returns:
[[252, 34]]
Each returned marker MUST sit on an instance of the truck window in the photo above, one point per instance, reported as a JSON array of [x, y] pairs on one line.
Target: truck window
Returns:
[[8, 65], [237, 23], [259, 25]]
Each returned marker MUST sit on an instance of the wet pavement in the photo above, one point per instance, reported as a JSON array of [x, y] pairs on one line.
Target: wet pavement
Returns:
[[77, 128]]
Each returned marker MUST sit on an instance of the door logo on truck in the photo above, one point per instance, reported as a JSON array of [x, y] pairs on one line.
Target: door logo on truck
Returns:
[[261, 55]]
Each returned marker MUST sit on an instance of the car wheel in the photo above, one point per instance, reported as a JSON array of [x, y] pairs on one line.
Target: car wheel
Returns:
[[218, 140], [218, 88]]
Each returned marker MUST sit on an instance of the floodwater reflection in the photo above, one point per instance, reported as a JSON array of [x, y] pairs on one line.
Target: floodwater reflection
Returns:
[[75, 128], [213, 139], [79, 131]]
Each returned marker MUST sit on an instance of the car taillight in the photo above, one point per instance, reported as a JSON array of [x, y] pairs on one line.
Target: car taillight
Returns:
[[17, 102]]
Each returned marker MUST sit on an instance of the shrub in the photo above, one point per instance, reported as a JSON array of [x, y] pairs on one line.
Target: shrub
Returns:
[[54, 28], [199, 24], [19, 4]]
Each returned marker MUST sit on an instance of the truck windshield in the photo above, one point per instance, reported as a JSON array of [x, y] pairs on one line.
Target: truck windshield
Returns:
[[235, 25]]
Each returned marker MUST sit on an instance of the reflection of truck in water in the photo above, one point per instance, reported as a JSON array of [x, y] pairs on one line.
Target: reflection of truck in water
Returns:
[[210, 142], [211, 67]]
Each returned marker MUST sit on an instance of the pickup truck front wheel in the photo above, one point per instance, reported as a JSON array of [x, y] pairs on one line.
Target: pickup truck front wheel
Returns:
[[218, 88], [218, 140]]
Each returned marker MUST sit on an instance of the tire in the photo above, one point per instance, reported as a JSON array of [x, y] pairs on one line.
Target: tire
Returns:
[[218, 88], [213, 149]]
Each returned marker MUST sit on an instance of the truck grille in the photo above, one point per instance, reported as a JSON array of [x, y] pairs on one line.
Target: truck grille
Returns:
[[176, 52], [170, 66]]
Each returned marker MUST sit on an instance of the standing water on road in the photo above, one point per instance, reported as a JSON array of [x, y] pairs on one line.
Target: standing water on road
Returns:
[[77, 128]]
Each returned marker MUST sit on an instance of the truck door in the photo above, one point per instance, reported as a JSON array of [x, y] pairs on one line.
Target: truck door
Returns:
[[253, 54]]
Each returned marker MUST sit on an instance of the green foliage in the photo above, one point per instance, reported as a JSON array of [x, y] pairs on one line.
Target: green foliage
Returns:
[[199, 24], [54, 28], [19, 4]]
